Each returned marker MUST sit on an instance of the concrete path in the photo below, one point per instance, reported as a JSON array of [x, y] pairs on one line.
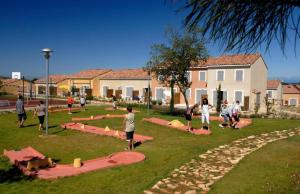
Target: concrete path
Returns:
[[98, 117], [200, 173]]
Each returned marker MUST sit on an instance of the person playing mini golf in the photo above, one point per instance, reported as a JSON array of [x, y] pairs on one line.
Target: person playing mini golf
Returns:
[[129, 127]]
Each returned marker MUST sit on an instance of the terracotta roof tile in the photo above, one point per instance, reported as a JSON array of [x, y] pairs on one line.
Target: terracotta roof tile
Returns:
[[9, 81], [273, 84], [239, 59], [90, 73], [290, 89], [52, 79], [126, 74]]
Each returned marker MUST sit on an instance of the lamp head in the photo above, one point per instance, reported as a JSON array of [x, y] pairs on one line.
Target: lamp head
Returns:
[[47, 52]]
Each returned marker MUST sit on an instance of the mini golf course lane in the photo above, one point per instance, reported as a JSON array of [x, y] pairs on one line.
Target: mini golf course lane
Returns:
[[244, 122], [123, 109], [98, 117], [102, 131], [20, 158], [63, 109], [184, 128]]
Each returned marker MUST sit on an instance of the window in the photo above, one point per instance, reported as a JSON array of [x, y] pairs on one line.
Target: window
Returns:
[[202, 75], [239, 75], [258, 99], [129, 91], [238, 95], [188, 93], [199, 94], [159, 93], [104, 91], [270, 94], [293, 102], [188, 74], [220, 75]]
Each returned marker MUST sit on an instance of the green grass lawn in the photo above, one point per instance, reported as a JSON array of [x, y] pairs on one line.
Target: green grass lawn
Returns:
[[273, 169], [169, 149]]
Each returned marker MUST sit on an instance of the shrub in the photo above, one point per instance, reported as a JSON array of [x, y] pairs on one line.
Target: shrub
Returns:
[[89, 98], [159, 102], [153, 102]]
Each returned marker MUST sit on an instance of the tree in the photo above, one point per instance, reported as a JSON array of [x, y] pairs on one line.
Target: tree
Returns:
[[172, 61], [219, 98], [245, 25]]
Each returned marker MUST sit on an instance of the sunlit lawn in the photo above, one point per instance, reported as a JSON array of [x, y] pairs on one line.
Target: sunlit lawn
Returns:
[[169, 149]]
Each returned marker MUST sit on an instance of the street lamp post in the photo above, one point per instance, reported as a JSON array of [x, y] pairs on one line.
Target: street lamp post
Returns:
[[47, 53]]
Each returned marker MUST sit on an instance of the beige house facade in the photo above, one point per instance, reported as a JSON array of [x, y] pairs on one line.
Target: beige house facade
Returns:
[[15, 87], [291, 95], [127, 84], [241, 77], [54, 89], [274, 91]]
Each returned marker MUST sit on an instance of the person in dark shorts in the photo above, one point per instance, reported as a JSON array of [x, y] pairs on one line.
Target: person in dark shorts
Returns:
[[20, 111], [40, 111], [188, 114], [129, 127], [236, 114], [70, 102], [82, 103], [114, 98]]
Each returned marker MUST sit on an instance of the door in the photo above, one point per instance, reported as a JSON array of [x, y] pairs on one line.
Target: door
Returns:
[[246, 103], [110, 92], [118, 93], [177, 98], [88, 92], [135, 95]]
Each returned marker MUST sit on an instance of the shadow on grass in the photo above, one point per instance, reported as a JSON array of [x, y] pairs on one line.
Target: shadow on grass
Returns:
[[137, 144], [31, 125], [13, 174], [59, 131]]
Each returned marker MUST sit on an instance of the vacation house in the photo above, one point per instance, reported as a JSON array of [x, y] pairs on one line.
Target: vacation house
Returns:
[[55, 88], [291, 95], [242, 77], [124, 83]]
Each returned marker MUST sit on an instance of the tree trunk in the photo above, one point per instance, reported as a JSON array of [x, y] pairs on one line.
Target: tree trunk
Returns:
[[172, 97], [185, 98]]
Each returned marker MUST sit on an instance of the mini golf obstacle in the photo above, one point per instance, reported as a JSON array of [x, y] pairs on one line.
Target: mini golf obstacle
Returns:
[[104, 131], [244, 122], [63, 109], [98, 117], [176, 125], [22, 157]]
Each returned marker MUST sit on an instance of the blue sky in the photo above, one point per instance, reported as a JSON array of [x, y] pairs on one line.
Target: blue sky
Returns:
[[99, 34]]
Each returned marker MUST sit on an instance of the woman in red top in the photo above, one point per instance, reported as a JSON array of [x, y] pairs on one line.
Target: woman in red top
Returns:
[[70, 102]]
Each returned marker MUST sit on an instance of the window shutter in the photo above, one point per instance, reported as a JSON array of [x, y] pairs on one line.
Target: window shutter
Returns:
[[199, 94], [239, 75], [293, 102], [188, 93], [159, 93], [224, 95], [105, 88], [215, 98], [129, 91], [238, 96], [220, 75], [202, 76]]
